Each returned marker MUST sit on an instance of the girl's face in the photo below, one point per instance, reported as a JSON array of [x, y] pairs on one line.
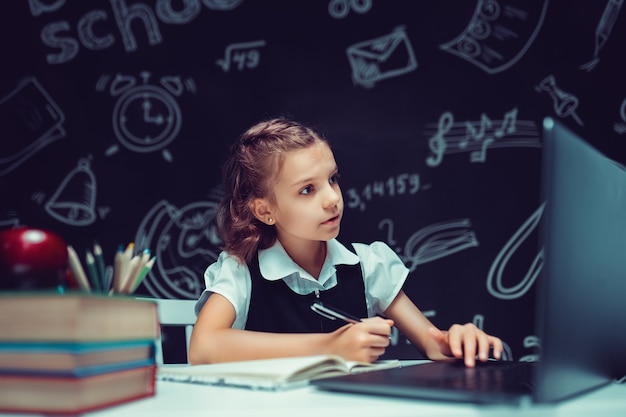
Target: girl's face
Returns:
[[308, 201]]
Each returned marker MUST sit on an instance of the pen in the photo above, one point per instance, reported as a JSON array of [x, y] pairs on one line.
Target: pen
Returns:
[[333, 313]]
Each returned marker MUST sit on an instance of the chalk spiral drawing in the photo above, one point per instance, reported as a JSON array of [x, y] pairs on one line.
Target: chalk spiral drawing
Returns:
[[499, 33], [243, 54], [184, 241], [381, 58], [30, 121], [495, 284], [339, 9], [476, 137], [564, 103], [146, 118], [603, 31]]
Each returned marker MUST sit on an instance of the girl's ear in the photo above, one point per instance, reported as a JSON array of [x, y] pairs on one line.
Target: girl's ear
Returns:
[[261, 210]]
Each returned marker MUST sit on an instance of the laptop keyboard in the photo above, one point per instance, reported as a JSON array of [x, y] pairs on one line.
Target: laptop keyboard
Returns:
[[491, 376]]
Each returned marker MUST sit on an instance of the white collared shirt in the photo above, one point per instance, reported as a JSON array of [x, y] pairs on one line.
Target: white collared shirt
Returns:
[[383, 274]]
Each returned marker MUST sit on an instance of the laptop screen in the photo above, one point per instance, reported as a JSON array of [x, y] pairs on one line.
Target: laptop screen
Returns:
[[581, 315]]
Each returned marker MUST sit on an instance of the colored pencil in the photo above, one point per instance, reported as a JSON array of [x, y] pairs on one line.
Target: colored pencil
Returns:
[[77, 269], [97, 253], [122, 268], [93, 276], [142, 274]]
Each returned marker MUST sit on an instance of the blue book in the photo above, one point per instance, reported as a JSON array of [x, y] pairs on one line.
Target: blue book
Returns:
[[77, 359]]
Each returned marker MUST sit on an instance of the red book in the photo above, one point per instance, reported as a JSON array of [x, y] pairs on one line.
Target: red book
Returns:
[[74, 395]]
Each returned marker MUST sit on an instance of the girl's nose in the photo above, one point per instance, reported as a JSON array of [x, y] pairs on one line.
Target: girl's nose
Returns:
[[332, 196]]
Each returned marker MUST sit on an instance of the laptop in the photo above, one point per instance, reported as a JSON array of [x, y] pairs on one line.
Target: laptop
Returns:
[[581, 295]]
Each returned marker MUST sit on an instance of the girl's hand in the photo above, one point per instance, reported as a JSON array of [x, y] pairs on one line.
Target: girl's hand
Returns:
[[466, 341], [364, 341]]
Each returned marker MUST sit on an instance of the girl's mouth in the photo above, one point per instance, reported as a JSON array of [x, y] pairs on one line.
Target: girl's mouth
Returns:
[[332, 221]]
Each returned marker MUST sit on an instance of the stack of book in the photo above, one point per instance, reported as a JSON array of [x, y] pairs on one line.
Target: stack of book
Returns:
[[75, 352]]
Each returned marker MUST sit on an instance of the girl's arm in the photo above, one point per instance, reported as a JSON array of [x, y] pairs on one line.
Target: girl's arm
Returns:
[[460, 341], [213, 340]]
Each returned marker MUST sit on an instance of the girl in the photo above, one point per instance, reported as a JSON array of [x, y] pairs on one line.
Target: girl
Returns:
[[279, 218]]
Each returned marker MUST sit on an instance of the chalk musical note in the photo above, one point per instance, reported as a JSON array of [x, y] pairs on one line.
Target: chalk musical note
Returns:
[[473, 133], [437, 143], [481, 155]]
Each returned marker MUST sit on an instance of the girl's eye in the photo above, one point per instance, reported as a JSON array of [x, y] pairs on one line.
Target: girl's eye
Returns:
[[307, 190], [334, 179]]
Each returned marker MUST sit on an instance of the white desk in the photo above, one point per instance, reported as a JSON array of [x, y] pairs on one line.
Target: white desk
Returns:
[[188, 400], [175, 399]]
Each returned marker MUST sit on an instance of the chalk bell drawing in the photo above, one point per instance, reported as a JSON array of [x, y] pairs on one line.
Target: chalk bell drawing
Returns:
[[74, 201]]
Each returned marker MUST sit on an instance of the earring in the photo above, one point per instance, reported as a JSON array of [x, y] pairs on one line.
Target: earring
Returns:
[[270, 220]]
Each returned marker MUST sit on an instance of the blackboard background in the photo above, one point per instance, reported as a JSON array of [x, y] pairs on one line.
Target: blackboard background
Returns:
[[383, 133]]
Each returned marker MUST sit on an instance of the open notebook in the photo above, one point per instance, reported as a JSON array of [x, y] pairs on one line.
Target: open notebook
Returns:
[[581, 295], [269, 374]]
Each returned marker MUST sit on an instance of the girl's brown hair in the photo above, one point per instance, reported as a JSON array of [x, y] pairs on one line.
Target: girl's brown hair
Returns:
[[249, 172]]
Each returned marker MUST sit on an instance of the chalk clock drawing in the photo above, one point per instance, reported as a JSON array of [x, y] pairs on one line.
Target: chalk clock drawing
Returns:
[[499, 33], [185, 242], [146, 117], [476, 137], [30, 121]]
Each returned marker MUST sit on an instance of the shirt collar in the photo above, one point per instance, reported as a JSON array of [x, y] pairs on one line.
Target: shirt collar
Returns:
[[276, 264]]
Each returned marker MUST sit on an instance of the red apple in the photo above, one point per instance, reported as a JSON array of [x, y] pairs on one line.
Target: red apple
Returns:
[[32, 259]]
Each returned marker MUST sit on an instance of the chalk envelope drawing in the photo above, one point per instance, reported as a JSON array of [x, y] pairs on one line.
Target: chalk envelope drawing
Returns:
[[30, 121], [381, 58], [499, 33]]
